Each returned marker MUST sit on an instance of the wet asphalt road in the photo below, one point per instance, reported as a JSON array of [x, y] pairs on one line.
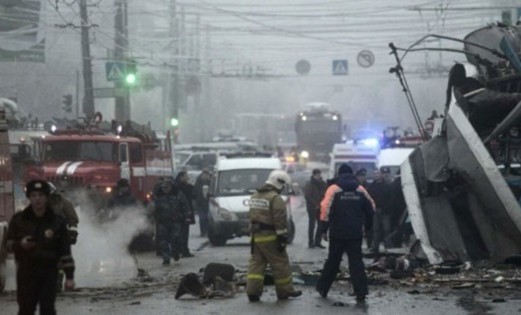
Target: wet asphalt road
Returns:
[[105, 290]]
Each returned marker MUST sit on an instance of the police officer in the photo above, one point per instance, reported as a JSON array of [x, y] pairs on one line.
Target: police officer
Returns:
[[40, 242], [171, 209], [269, 221], [343, 213], [65, 209]]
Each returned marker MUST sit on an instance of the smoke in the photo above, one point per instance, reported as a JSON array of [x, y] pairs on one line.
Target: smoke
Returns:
[[101, 254]]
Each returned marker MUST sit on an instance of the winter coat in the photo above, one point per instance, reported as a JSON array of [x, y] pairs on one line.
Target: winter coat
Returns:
[[345, 210], [314, 192], [268, 208], [381, 192], [49, 232], [171, 207], [64, 208], [202, 202], [188, 190]]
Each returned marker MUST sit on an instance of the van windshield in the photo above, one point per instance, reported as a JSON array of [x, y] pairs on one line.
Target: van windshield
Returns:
[[240, 182]]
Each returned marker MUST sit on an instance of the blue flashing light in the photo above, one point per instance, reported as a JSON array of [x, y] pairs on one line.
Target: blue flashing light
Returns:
[[371, 142]]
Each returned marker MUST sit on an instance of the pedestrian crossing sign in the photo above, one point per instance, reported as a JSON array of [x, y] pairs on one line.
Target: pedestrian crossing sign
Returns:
[[340, 67], [115, 71]]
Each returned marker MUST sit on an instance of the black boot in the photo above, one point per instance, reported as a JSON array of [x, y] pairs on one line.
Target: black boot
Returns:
[[290, 295], [253, 298]]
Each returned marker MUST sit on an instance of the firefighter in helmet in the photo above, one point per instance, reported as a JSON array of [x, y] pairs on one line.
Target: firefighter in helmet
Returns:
[[268, 221]]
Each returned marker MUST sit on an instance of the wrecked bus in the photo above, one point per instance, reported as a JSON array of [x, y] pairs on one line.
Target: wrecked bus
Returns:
[[463, 187]]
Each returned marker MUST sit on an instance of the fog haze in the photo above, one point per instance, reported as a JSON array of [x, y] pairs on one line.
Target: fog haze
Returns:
[[247, 52]]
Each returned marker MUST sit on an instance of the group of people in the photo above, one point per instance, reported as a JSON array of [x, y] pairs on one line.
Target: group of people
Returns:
[[344, 211], [340, 211], [173, 208], [384, 192], [390, 226], [41, 235]]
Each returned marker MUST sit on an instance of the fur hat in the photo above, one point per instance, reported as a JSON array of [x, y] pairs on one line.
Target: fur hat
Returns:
[[37, 185], [345, 169]]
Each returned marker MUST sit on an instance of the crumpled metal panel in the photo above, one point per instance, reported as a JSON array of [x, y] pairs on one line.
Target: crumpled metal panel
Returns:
[[465, 210]]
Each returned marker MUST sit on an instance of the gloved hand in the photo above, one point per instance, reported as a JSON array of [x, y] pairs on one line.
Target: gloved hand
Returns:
[[282, 240]]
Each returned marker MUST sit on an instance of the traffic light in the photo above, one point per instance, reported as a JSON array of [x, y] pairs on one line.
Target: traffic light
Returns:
[[67, 103], [174, 122], [131, 73]]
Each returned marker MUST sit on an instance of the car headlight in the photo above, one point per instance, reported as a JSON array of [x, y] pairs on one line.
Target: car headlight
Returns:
[[225, 215]]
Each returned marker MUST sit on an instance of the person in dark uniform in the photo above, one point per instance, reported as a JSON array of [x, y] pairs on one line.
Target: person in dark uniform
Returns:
[[182, 180], [40, 242], [313, 193], [170, 210], [361, 176], [344, 212], [381, 191], [202, 200]]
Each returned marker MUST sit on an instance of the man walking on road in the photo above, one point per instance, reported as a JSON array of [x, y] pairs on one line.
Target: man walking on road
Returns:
[[170, 210], [40, 242], [313, 193], [343, 213], [269, 233]]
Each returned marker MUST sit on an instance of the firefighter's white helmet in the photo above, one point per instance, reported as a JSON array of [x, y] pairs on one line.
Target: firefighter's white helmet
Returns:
[[278, 178]]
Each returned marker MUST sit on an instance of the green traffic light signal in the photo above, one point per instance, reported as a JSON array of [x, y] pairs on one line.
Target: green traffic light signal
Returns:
[[174, 122], [130, 73], [130, 78]]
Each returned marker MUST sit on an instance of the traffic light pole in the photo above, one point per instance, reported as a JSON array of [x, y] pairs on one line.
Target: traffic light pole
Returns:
[[122, 102], [88, 100]]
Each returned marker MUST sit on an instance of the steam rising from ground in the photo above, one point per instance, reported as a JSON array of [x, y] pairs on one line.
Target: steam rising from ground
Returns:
[[101, 254]]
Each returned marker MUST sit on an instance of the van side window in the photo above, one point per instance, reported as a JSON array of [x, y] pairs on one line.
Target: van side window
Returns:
[[136, 153]]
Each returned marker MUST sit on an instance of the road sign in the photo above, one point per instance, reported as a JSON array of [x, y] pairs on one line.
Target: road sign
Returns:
[[365, 58], [340, 67], [303, 67], [115, 71]]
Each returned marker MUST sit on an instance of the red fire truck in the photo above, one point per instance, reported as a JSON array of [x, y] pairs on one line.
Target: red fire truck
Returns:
[[90, 156], [6, 194]]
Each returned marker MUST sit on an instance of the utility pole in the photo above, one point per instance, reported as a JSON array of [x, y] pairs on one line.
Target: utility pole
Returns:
[[77, 96], [206, 74], [122, 101], [173, 100], [88, 99]]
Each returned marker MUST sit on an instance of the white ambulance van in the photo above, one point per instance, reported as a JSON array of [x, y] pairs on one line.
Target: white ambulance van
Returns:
[[361, 154], [236, 179]]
